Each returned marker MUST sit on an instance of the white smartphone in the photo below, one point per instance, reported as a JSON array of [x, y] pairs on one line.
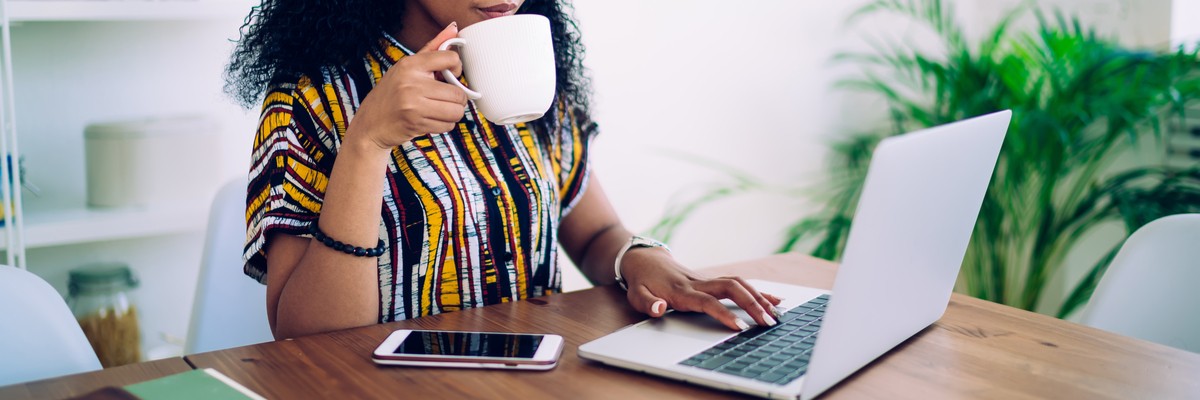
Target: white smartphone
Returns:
[[458, 349]]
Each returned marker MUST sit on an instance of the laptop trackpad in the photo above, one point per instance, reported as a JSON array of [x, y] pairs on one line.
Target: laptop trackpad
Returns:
[[694, 325], [662, 341]]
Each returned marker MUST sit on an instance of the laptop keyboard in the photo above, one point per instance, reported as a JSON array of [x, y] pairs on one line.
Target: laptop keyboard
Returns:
[[777, 354]]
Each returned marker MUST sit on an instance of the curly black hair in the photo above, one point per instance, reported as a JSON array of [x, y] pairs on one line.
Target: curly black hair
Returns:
[[284, 39]]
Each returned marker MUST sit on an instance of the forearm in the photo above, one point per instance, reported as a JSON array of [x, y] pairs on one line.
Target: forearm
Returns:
[[600, 261], [329, 290], [597, 261], [593, 234]]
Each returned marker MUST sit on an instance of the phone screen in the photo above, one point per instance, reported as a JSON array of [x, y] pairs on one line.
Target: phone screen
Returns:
[[470, 344]]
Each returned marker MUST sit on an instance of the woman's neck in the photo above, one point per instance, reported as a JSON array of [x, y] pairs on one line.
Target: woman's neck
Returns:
[[417, 26]]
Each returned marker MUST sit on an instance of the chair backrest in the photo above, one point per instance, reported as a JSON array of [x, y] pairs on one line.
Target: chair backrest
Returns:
[[1151, 290], [230, 308], [39, 337]]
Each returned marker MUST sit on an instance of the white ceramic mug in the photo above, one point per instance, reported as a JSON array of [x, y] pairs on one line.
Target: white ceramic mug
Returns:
[[509, 61]]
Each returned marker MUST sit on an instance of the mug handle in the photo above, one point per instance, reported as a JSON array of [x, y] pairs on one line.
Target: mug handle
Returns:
[[471, 94]]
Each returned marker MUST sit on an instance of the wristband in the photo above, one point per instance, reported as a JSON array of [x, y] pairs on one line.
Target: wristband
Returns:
[[634, 242]]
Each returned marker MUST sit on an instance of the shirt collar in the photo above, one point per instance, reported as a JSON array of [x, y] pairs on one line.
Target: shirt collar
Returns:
[[393, 51]]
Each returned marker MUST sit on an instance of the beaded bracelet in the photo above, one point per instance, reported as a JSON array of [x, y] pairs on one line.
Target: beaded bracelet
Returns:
[[343, 247]]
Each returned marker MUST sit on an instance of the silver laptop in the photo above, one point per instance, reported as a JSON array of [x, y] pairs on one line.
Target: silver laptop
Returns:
[[918, 207]]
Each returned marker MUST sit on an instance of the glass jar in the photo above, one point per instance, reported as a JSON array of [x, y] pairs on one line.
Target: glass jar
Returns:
[[99, 297]]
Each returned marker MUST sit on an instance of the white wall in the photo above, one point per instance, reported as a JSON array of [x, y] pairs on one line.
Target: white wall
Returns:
[[1185, 22], [748, 85]]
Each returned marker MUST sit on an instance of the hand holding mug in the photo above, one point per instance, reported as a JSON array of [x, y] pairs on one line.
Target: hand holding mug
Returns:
[[409, 101], [509, 64]]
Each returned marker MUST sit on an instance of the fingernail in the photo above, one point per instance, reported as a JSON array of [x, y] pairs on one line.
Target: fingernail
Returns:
[[770, 321], [742, 324], [454, 24], [658, 307], [777, 312]]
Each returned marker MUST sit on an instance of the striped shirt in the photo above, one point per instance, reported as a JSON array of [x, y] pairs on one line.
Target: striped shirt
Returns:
[[469, 217]]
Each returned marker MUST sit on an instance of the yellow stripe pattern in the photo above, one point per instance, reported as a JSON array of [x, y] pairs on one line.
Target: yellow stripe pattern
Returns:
[[470, 216]]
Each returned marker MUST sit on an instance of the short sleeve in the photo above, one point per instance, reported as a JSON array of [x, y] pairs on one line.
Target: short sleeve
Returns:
[[289, 170], [576, 131]]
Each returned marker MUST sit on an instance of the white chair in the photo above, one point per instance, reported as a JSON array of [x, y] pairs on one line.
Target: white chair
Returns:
[[39, 337], [1151, 290], [230, 308]]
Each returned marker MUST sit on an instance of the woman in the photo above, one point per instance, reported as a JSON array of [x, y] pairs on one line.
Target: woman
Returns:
[[358, 214]]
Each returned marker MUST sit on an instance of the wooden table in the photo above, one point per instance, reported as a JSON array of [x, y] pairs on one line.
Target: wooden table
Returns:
[[78, 384], [977, 350]]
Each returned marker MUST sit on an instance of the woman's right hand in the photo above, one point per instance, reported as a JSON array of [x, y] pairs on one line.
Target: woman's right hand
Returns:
[[410, 101]]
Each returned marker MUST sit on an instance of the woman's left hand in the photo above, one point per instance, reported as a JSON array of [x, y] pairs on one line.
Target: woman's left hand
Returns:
[[656, 281], [593, 235]]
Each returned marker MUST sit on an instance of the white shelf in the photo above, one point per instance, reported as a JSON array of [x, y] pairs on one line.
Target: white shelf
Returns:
[[82, 225], [126, 10]]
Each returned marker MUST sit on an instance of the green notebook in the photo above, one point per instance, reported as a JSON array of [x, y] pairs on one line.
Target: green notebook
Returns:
[[200, 384]]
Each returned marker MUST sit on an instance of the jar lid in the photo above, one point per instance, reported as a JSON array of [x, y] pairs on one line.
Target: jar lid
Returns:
[[151, 127], [101, 276]]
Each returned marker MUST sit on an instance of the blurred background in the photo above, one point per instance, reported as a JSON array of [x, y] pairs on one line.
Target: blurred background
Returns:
[[720, 121]]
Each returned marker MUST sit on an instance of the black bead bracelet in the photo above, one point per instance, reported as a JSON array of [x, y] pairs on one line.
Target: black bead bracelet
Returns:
[[343, 247]]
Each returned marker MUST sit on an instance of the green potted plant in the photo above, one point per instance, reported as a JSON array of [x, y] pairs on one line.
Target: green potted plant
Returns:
[[1079, 102]]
